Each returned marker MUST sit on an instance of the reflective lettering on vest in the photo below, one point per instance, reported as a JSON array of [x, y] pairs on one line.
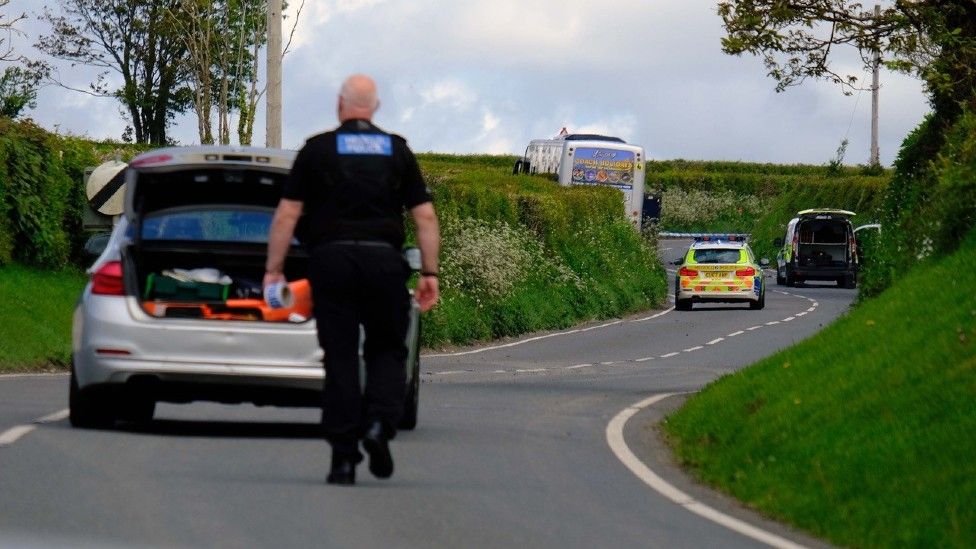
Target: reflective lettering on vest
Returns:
[[364, 143]]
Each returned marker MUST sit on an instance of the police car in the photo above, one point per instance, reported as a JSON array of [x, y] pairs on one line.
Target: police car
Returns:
[[719, 269]]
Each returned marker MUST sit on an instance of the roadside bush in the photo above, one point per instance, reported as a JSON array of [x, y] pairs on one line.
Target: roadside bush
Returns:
[[42, 195], [692, 209], [522, 253], [931, 202]]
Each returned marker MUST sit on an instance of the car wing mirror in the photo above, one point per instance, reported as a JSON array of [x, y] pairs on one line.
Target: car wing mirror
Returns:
[[764, 262], [678, 261], [412, 256]]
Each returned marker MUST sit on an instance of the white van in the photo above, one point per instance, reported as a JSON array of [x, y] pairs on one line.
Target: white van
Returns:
[[590, 159]]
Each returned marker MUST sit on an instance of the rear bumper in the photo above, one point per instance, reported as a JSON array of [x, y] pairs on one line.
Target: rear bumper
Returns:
[[115, 340], [822, 273], [745, 294]]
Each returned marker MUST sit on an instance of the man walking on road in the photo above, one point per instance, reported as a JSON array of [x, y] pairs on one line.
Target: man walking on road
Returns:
[[352, 184]]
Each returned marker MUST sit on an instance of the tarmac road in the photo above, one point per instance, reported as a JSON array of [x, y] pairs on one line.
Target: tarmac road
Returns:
[[511, 450]]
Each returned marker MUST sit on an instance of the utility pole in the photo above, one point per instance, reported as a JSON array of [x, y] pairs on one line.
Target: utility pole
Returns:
[[273, 120], [875, 154]]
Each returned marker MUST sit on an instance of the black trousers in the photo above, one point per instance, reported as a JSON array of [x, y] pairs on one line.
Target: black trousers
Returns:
[[355, 285]]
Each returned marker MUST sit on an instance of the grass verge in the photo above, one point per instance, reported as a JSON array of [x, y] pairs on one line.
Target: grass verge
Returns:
[[35, 317], [862, 434]]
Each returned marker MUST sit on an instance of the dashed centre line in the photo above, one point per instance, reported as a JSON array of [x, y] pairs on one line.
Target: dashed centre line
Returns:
[[715, 341]]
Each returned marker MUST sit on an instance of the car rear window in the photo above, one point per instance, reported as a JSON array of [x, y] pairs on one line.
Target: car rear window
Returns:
[[209, 225], [718, 255]]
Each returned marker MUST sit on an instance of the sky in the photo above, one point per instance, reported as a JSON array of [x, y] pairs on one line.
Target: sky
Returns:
[[486, 76]]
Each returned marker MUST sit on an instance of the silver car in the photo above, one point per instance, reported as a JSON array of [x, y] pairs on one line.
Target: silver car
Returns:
[[173, 311]]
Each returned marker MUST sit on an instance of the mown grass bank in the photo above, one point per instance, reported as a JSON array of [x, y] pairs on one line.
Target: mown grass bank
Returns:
[[35, 317], [862, 434]]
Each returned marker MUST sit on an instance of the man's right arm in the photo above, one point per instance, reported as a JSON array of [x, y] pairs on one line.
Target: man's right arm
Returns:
[[429, 241]]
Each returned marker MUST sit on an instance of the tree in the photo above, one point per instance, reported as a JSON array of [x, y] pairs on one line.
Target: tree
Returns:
[[7, 30], [224, 40], [143, 62], [935, 39], [18, 90]]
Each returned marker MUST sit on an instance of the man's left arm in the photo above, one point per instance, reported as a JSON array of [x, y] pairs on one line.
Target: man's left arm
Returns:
[[279, 240]]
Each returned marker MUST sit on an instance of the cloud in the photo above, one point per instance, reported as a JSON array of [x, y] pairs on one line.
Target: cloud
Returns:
[[472, 76]]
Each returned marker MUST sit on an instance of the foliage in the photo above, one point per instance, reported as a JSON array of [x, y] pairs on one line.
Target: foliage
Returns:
[[720, 211], [18, 90], [933, 38], [7, 27], [522, 253], [834, 164], [861, 434], [222, 39], [132, 41], [41, 193], [931, 202]]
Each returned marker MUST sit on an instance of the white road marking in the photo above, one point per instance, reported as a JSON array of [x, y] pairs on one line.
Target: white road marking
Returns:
[[811, 309], [815, 304], [690, 349], [546, 336], [716, 340], [449, 372], [530, 370], [11, 435], [576, 366], [801, 313], [662, 313], [615, 438], [789, 318], [751, 328], [608, 363], [669, 355], [56, 416], [733, 334], [772, 323], [644, 359]]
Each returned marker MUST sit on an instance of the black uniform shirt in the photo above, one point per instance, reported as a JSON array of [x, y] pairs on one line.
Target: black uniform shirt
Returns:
[[355, 182]]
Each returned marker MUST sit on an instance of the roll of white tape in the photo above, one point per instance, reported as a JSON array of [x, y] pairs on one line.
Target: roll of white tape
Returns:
[[279, 296]]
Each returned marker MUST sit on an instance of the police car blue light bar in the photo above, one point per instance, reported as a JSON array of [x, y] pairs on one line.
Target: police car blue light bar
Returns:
[[718, 237]]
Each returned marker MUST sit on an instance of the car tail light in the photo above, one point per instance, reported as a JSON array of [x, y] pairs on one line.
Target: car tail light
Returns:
[[748, 271], [685, 271], [107, 280]]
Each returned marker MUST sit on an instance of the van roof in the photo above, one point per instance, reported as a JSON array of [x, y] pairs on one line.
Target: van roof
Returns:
[[825, 211]]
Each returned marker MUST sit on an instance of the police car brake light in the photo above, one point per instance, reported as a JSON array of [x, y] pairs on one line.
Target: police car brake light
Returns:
[[685, 271], [748, 271]]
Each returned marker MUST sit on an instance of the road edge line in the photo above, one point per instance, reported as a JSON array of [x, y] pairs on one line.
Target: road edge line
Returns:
[[615, 438]]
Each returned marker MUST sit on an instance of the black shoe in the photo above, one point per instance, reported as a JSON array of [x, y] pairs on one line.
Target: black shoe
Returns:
[[376, 444], [343, 471]]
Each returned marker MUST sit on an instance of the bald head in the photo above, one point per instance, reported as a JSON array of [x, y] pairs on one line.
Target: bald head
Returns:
[[357, 98]]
